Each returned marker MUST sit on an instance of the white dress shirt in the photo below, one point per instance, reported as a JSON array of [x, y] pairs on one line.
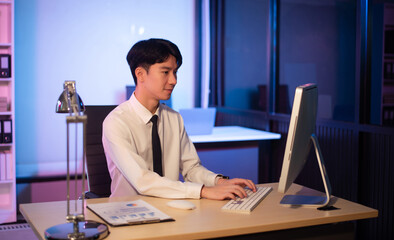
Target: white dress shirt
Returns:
[[128, 148]]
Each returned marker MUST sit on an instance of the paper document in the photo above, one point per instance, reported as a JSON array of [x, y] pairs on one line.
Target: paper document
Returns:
[[128, 213]]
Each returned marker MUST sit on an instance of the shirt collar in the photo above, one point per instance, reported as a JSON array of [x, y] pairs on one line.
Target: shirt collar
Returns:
[[143, 113]]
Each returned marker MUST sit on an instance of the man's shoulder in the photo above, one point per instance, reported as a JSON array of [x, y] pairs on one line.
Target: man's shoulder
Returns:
[[119, 113]]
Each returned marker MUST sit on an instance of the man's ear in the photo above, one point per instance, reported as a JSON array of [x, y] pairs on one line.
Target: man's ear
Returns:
[[140, 73]]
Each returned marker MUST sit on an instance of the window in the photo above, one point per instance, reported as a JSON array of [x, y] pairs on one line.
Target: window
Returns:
[[246, 57], [317, 44]]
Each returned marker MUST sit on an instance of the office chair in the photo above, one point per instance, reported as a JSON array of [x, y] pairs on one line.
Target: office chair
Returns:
[[99, 180]]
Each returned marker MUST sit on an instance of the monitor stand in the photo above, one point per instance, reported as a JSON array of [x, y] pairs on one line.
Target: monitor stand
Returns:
[[312, 201]]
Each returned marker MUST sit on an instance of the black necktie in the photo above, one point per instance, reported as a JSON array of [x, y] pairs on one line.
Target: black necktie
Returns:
[[156, 148]]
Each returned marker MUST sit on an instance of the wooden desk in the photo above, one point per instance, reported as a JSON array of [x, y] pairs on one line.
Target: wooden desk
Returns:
[[207, 220]]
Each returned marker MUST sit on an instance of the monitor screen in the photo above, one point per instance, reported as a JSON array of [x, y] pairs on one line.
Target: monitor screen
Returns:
[[300, 137], [301, 127]]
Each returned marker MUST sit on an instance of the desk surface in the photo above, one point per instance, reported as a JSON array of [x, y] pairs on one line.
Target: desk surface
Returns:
[[234, 133], [207, 220]]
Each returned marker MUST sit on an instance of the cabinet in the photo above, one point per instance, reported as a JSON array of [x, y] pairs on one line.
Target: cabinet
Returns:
[[7, 114]]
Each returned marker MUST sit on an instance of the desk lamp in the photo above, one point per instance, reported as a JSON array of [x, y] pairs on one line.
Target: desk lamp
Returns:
[[76, 228]]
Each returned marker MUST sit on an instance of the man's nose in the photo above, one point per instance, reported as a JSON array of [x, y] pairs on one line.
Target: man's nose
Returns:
[[173, 79]]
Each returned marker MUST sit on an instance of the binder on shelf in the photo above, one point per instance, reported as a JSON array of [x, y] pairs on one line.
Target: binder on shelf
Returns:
[[392, 70], [6, 133], [388, 116], [9, 167], [385, 70], [388, 70], [2, 167], [5, 65]]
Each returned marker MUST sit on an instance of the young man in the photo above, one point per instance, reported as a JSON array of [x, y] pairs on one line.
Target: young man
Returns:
[[127, 135]]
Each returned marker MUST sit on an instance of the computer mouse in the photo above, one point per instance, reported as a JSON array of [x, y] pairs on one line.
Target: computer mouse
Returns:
[[181, 204]]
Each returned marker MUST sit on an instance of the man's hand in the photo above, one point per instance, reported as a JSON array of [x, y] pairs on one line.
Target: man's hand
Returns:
[[228, 189]]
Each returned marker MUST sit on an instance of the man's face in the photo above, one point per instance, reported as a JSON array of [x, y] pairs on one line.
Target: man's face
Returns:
[[160, 80]]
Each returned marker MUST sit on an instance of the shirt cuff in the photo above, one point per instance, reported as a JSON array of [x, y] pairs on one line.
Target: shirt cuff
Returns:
[[194, 190]]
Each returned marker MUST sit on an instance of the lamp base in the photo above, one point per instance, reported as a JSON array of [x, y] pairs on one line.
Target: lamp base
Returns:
[[87, 230]]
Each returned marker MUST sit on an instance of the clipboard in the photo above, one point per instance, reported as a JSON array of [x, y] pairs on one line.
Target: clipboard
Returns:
[[128, 213]]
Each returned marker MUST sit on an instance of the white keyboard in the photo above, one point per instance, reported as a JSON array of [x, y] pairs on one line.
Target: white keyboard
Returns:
[[246, 205]]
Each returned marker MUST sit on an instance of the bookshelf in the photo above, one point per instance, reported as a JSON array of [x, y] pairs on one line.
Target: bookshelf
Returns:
[[388, 66], [7, 114]]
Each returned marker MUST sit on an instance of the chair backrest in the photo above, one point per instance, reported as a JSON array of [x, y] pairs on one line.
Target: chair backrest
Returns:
[[99, 180]]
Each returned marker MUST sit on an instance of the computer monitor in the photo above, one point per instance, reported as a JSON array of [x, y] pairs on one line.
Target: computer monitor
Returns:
[[300, 136]]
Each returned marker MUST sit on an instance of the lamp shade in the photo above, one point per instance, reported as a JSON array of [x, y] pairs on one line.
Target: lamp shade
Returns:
[[69, 98], [62, 104]]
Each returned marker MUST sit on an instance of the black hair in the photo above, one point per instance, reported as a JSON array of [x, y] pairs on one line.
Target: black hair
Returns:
[[148, 52]]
